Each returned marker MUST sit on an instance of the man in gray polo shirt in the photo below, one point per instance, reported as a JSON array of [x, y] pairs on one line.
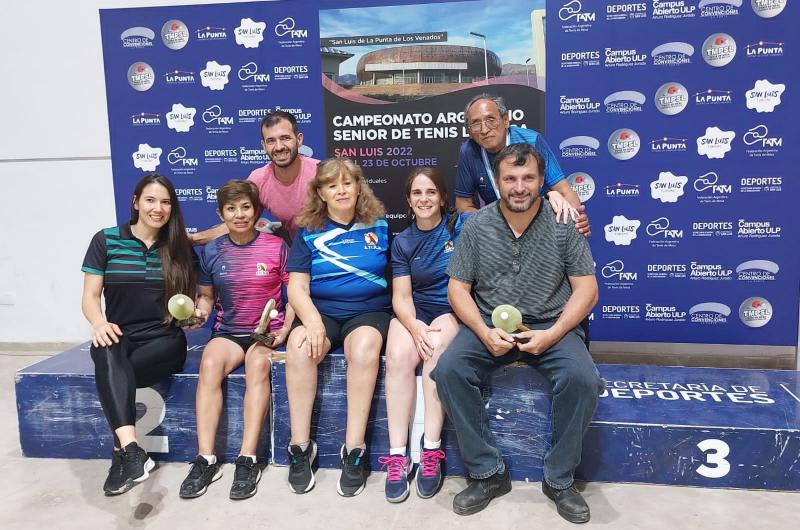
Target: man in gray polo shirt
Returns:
[[514, 252]]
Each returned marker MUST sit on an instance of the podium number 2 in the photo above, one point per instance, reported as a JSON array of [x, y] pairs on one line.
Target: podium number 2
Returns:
[[715, 452], [154, 412]]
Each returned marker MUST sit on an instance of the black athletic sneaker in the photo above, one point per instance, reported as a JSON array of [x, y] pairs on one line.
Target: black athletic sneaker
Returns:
[[354, 473], [301, 472], [200, 476], [136, 467], [245, 478], [114, 473]]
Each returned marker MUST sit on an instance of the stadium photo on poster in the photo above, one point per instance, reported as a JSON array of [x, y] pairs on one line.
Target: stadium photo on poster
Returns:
[[396, 79]]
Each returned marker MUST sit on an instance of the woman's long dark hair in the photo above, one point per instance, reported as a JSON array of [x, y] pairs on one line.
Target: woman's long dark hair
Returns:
[[441, 187], [177, 256]]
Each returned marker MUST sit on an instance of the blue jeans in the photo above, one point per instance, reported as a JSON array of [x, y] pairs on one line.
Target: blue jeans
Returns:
[[466, 364]]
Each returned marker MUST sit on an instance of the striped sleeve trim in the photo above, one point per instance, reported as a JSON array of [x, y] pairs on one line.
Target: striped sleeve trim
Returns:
[[90, 270]]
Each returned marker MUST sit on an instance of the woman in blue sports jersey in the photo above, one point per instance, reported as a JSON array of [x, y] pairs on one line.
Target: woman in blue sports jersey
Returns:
[[338, 288], [136, 267], [423, 327]]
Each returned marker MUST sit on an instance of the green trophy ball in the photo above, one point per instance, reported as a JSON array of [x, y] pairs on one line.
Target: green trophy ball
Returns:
[[507, 317], [181, 307]]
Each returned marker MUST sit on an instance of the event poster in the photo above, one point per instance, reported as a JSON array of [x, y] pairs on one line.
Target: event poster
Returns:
[[669, 117], [396, 101]]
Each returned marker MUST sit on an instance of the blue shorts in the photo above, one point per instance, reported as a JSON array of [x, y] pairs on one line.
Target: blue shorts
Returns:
[[428, 313]]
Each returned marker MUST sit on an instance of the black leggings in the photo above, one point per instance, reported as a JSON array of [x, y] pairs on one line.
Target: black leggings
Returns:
[[127, 365]]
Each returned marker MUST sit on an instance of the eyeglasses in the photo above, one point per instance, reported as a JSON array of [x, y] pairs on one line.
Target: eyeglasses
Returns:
[[491, 123]]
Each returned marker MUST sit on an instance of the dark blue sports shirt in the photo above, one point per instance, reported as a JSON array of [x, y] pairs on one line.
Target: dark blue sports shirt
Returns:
[[347, 265], [424, 255]]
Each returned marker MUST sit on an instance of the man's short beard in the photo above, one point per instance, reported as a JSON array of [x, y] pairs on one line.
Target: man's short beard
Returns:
[[519, 209], [293, 153]]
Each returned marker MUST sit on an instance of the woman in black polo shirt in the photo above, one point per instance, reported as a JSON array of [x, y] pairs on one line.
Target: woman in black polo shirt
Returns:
[[137, 267]]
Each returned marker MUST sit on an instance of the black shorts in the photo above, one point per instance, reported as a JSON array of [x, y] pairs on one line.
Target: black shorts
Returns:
[[243, 340], [337, 330]]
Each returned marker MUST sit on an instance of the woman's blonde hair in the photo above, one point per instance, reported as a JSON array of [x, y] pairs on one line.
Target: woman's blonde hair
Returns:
[[314, 213]]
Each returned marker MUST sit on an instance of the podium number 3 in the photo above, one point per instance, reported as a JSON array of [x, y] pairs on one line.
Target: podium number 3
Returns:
[[154, 412], [715, 452]]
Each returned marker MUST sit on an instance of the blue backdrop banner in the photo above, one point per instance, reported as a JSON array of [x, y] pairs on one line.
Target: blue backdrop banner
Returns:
[[673, 121], [665, 115]]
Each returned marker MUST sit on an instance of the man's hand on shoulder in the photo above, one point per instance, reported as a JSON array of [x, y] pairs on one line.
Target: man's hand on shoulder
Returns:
[[582, 222], [497, 341], [268, 227]]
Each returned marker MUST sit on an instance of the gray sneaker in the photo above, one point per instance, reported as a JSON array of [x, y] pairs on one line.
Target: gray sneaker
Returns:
[[354, 473], [301, 470]]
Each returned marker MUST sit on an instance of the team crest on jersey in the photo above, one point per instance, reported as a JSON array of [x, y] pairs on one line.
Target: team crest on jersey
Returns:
[[371, 239], [261, 269], [448, 247]]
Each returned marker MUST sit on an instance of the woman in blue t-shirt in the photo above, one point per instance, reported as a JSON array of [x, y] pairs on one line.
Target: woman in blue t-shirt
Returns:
[[338, 288], [423, 326]]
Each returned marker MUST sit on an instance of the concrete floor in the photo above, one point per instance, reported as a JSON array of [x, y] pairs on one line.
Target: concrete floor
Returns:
[[53, 494]]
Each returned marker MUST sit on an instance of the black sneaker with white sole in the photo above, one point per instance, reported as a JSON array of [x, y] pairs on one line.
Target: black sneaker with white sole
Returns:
[[114, 473], [245, 478], [136, 467], [301, 472], [354, 473], [200, 476]]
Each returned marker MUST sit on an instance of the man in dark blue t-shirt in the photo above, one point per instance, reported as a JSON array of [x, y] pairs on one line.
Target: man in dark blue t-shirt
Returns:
[[488, 123]]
